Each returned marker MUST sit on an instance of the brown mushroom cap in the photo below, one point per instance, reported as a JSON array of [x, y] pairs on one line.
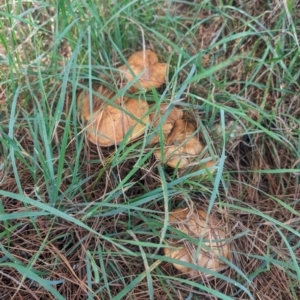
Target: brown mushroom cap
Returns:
[[193, 223], [83, 100], [144, 63], [110, 124], [182, 146], [207, 165], [174, 115]]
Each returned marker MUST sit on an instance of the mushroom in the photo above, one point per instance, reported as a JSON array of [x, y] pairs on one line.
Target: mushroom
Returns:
[[181, 146], [83, 100], [193, 223], [144, 64], [155, 118], [209, 166], [110, 124]]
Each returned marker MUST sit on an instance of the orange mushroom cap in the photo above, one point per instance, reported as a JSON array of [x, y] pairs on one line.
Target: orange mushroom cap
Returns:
[[167, 126], [111, 124], [209, 164], [144, 64], [182, 146], [193, 223], [87, 108]]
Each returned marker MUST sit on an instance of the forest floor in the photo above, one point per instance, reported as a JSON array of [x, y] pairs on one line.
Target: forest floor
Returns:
[[80, 221]]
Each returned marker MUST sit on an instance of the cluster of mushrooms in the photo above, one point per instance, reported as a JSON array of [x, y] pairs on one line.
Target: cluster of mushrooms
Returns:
[[110, 121]]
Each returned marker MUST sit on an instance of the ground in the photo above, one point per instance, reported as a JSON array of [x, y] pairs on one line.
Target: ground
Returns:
[[80, 221]]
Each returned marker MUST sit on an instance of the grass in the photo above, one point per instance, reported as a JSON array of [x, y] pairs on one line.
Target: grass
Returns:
[[83, 222]]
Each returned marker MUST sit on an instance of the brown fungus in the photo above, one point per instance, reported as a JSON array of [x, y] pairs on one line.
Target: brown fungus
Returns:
[[144, 64], [181, 147], [167, 126], [194, 224], [87, 107], [110, 124]]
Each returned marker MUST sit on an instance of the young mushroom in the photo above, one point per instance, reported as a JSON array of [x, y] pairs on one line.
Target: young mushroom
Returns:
[[194, 224], [155, 119], [144, 64], [181, 147], [111, 124]]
